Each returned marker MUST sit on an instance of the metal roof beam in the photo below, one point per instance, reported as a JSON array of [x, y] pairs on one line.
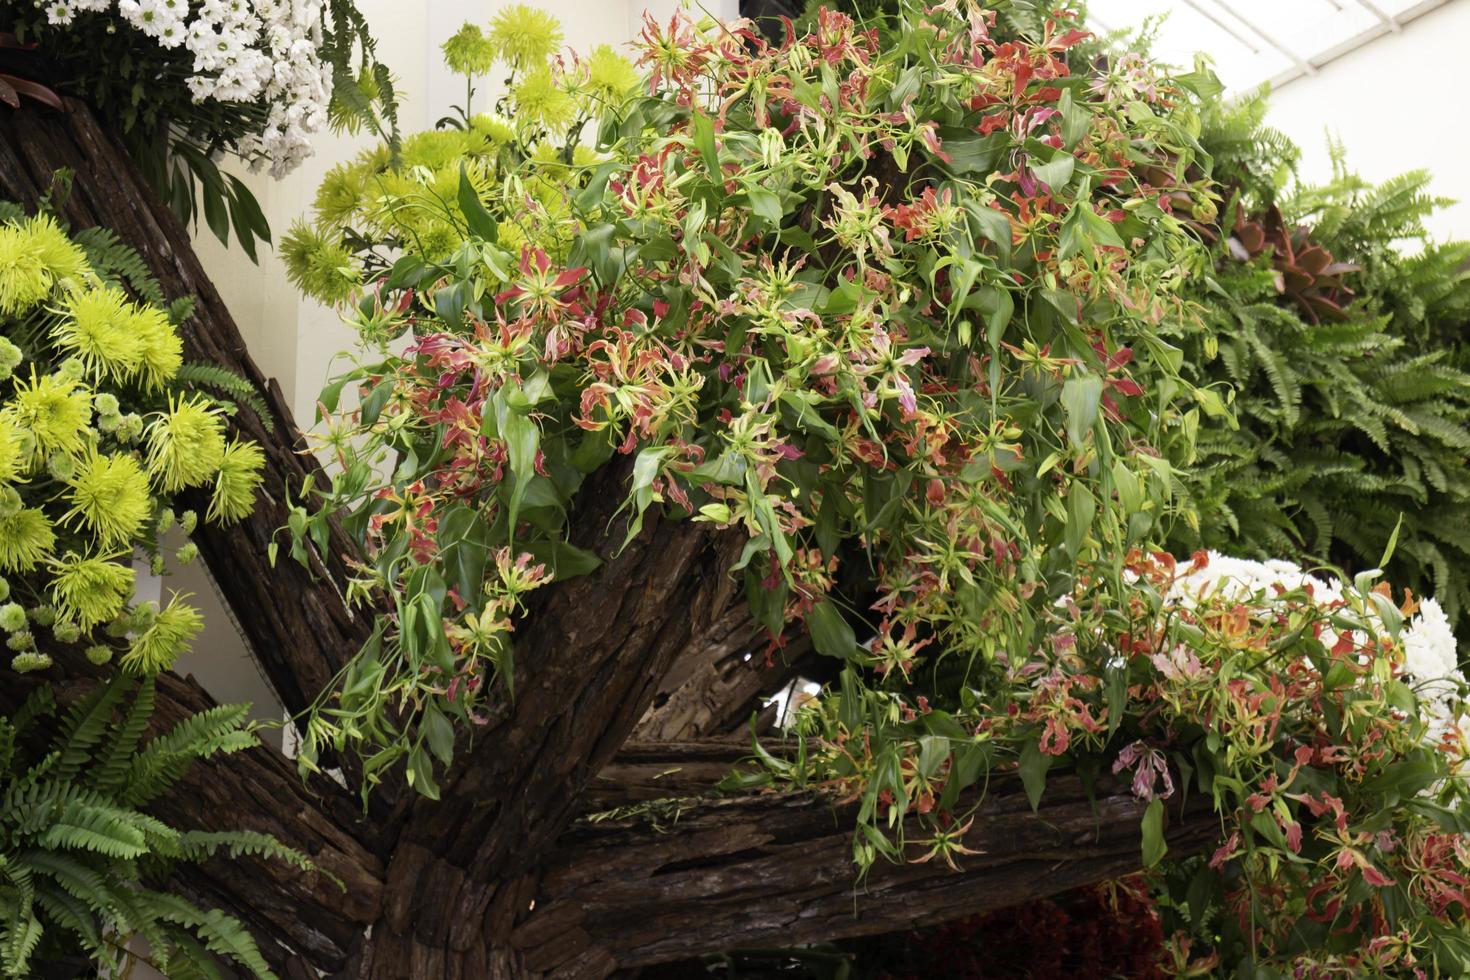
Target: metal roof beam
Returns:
[[1376, 11], [1302, 64], [1195, 6]]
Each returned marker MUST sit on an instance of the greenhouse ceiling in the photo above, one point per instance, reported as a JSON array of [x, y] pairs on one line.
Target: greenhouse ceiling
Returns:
[[1257, 41]]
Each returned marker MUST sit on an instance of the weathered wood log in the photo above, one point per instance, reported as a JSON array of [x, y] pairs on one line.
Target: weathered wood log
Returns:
[[294, 619], [778, 870], [712, 690], [593, 651]]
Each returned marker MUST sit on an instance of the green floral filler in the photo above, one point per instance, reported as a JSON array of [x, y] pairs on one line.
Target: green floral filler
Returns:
[[97, 432], [908, 323]]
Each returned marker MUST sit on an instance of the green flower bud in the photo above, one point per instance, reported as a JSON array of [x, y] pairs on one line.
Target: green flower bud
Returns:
[[12, 617], [23, 663], [187, 521], [24, 640], [10, 356], [61, 466], [130, 428], [66, 631], [43, 615], [106, 404], [99, 654], [144, 613], [187, 553], [166, 518]]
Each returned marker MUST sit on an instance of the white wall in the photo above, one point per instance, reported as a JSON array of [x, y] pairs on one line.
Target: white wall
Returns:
[[1396, 104], [292, 339]]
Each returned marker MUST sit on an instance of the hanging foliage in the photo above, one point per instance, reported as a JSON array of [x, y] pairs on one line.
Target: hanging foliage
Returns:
[[909, 323]]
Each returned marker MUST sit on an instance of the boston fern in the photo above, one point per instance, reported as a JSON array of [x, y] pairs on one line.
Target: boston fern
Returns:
[[1347, 352], [76, 845]]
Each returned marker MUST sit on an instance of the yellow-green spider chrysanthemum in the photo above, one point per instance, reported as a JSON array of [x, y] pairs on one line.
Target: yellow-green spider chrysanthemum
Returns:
[[25, 539], [156, 648], [110, 495], [23, 278], [97, 327], [34, 257], [540, 98], [342, 194], [468, 51], [56, 410], [186, 444], [610, 76], [12, 452], [90, 590], [492, 129], [234, 488], [62, 257], [163, 351], [318, 265], [524, 36]]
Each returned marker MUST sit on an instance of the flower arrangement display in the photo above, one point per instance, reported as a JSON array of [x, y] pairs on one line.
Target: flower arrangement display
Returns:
[[257, 79], [850, 376], [373, 209], [907, 323], [101, 424], [242, 53]]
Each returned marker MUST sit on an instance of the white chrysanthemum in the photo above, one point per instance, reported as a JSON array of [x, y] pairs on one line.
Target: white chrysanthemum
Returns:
[[1429, 644], [1241, 578], [243, 51]]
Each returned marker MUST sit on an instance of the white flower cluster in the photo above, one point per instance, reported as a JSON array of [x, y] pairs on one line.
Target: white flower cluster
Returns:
[[1430, 659], [244, 51]]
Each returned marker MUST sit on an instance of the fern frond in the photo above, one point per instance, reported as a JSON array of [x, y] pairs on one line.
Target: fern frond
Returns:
[[85, 724], [196, 373], [118, 263], [113, 765]]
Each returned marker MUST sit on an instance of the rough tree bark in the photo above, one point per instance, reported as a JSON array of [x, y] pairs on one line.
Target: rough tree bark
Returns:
[[499, 879]]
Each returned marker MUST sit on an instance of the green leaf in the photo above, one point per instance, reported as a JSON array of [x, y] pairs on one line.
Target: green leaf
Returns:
[[766, 206], [480, 223], [216, 213], [1099, 229], [1154, 847], [961, 281], [1075, 120], [832, 635], [522, 438], [1393, 540], [1081, 509], [970, 153], [1056, 172], [421, 773], [565, 560], [704, 141], [1081, 395], [1034, 764], [440, 734]]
